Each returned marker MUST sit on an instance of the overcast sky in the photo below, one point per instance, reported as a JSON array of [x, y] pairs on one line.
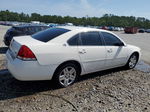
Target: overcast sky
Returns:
[[79, 8]]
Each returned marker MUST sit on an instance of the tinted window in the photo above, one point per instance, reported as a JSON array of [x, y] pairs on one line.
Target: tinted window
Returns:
[[15, 32], [49, 34], [110, 39], [44, 27], [91, 39], [31, 30], [74, 40], [26, 31], [39, 28]]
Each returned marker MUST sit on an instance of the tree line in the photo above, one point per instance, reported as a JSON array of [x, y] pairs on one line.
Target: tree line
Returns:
[[105, 20]]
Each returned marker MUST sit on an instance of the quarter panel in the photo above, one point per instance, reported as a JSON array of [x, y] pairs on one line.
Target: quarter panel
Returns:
[[132, 49], [55, 54]]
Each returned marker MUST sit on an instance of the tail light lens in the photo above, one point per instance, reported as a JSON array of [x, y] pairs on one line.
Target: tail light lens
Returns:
[[26, 54]]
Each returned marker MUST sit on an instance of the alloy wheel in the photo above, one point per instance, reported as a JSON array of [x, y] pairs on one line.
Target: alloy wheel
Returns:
[[67, 76], [132, 61]]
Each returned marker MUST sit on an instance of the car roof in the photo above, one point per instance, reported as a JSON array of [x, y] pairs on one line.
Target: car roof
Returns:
[[73, 31], [72, 28]]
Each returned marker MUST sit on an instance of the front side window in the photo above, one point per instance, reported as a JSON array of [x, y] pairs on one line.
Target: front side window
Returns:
[[111, 40], [90, 39]]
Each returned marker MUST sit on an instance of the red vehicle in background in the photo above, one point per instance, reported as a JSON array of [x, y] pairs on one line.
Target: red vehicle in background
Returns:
[[131, 30], [104, 27]]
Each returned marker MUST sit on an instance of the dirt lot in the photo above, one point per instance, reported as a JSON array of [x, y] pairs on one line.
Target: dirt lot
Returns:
[[3, 48], [115, 90]]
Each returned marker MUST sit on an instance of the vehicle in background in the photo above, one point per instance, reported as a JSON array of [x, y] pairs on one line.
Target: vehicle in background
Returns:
[[10, 23], [141, 30], [1, 22], [117, 29], [131, 30], [68, 24], [121, 29], [111, 28], [35, 22], [148, 30], [22, 30], [104, 27], [6, 23], [52, 25], [64, 53]]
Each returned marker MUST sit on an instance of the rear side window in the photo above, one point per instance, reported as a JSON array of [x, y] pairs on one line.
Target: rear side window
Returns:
[[49, 34], [110, 39], [91, 39], [74, 40]]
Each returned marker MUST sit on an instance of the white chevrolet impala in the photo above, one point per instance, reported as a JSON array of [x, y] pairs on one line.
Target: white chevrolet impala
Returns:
[[64, 53]]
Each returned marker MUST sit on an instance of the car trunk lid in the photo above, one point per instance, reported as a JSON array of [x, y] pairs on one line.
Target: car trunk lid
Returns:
[[17, 42]]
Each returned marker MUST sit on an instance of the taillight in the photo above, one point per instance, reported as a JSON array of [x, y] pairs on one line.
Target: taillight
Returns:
[[26, 54]]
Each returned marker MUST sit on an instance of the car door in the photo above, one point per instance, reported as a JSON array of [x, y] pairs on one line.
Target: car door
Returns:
[[92, 51], [115, 49]]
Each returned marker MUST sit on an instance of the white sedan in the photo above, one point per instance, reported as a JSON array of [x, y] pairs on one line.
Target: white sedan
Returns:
[[64, 53]]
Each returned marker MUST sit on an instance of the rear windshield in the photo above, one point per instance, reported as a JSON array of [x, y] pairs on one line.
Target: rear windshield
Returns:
[[49, 34]]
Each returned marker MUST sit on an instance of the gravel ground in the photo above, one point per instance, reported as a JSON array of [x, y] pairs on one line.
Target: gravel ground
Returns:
[[3, 48], [115, 90]]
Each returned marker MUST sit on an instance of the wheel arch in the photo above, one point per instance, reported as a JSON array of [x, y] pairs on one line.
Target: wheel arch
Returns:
[[69, 61], [137, 53]]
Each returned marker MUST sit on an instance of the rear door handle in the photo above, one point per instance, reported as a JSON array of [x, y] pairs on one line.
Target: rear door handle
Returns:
[[109, 50], [83, 51]]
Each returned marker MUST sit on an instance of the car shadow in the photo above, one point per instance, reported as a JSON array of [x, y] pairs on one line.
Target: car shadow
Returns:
[[3, 50], [101, 73], [11, 88]]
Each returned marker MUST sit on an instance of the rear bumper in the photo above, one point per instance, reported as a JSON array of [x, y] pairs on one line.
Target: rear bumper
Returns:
[[28, 70]]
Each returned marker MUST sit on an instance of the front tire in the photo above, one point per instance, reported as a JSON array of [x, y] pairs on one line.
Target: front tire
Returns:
[[132, 61], [66, 75]]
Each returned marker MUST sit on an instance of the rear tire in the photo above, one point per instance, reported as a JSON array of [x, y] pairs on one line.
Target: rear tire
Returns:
[[132, 61], [66, 75]]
